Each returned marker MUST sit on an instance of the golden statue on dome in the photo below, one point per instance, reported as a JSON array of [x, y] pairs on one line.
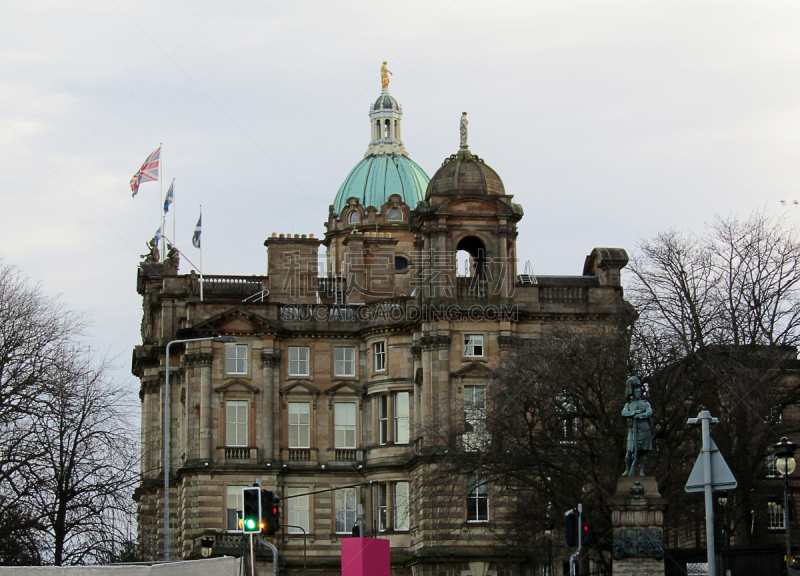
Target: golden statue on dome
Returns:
[[385, 75]]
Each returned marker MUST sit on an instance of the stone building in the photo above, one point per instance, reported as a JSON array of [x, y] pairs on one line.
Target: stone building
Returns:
[[354, 376]]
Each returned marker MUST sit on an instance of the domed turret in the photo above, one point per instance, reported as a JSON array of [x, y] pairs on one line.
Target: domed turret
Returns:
[[386, 168], [464, 174]]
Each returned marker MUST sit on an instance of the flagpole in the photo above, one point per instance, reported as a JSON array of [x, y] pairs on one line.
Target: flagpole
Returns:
[[161, 194], [201, 255], [173, 208]]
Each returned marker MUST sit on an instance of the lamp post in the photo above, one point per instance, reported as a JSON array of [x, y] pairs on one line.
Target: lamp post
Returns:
[[785, 464], [548, 531], [723, 500], [166, 431]]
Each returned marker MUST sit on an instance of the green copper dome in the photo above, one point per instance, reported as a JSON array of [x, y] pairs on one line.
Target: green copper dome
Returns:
[[379, 176]]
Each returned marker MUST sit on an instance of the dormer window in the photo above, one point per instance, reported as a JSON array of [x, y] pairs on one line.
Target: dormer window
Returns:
[[354, 217], [395, 215]]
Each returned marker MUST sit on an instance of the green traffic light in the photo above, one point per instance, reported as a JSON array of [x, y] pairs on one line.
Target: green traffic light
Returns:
[[250, 524]]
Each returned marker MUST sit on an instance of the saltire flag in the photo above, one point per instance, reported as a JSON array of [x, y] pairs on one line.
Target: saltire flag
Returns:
[[148, 172], [197, 232], [170, 196], [159, 235]]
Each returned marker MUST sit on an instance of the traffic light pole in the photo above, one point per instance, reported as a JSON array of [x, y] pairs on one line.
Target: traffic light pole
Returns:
[[580, 541], [252, 557], [274, 553]]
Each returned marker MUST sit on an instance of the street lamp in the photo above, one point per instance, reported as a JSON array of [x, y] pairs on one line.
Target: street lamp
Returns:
[[548, 531], [785, 464], [166, 431]]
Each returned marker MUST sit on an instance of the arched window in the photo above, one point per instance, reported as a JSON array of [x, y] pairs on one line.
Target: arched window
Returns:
[[395, 215], [354, 217]]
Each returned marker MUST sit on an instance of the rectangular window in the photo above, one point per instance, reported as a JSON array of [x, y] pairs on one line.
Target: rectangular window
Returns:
[[473, 345], [382, 512], [344, 417], [772, 470], [568, 431], [298, 510], [236, 423], [401, 429], [477, 500], [474, 416], [236, 359], [383, 419], [344, 361], [233, 505], [776, 518], [345, 510], [401, 517], [299, 425], [379, 349], [298, 361]]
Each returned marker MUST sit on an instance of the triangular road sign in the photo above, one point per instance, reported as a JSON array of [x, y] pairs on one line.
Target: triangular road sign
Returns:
[[721, 476]]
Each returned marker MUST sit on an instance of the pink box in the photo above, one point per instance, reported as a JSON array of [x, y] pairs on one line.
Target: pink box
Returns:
[[365, 557]]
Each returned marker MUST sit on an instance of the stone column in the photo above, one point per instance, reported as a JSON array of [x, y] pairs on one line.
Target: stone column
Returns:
[[204, 360], [270, 360], [426, 400], [416, 354], [637, 517], [502, 269], [443, 342]]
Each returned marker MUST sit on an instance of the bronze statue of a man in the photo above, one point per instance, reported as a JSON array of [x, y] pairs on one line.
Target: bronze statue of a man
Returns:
[[640, 426]]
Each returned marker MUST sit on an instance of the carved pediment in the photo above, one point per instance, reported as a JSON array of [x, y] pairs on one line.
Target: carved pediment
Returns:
[[300, 387], [236, 386], [237, 320], [345, 388], [473, 370]]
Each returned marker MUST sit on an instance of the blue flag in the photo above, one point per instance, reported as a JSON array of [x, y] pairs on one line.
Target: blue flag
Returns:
[[197, 232], [170, 196], [158, 235]]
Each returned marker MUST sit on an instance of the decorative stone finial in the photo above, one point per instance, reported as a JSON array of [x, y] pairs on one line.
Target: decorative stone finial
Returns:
[[385, 75], [464, 123]]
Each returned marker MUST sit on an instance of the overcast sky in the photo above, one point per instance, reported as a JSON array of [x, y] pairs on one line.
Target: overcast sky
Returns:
[[609, 121]]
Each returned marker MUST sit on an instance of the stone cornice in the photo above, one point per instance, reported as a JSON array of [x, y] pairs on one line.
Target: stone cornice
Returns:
[[435, 342]]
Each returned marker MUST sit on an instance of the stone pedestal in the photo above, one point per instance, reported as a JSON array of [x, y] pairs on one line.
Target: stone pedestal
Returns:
[[637, 516]]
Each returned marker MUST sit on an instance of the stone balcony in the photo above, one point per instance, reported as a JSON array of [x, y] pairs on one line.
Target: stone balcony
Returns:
[[234, 454]]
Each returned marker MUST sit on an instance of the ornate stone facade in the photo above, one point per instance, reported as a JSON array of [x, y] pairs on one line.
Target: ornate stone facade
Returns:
[[357, 376]]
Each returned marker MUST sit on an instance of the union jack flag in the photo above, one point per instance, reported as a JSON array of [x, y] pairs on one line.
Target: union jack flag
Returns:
[[148, 172]]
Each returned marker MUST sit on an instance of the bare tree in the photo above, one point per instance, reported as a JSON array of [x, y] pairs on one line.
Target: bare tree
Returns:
[[87, 473], [67, 447], [718, 328], [551, 437]]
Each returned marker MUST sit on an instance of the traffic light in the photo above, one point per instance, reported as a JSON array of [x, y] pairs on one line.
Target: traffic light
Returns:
[[586, 531], [251, 505], [270, 512], [571, 529]]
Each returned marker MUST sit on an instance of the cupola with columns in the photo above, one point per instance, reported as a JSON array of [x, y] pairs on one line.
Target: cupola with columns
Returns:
[[385, 115]]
